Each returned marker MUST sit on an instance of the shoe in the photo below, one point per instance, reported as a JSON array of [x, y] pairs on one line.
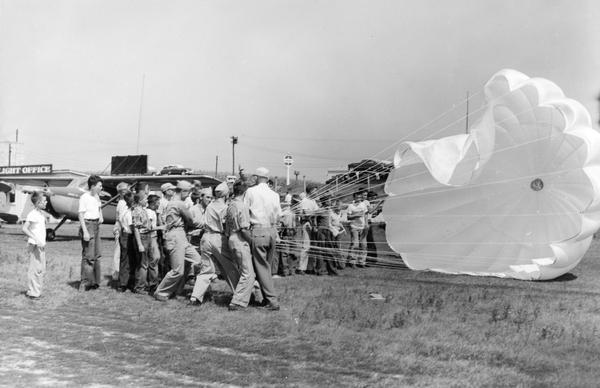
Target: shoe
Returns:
[[276, 277], [332, 273], [300, 272], [236, 307], [272, 307], [31, 297], [121, 289], [194, 302], [161, 297], [94, 287]]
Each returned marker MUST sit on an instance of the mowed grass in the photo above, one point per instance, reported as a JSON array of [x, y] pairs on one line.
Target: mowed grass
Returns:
[[431, 330]]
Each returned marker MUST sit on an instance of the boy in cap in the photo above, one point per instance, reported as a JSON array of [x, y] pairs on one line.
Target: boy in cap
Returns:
[[168, 190], [214, 246], [177, 217], [264, 210], [122, 188], [237, 224]]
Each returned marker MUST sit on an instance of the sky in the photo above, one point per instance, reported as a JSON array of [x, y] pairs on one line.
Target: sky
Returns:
[[328, 82]]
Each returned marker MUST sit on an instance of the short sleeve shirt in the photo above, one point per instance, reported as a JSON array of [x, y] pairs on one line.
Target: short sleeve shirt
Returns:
[[357, 223], [238, 216], [153, 221], [89, 205], [140, 219], [173, 217], [215, 216], [38, 226], [125, 220]]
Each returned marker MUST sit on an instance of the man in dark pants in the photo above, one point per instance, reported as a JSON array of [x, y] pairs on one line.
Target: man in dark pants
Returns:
[[90, 218], [265, 210]]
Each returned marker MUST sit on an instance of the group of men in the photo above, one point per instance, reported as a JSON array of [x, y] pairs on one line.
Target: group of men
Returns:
[[238, 236], [241, 229]]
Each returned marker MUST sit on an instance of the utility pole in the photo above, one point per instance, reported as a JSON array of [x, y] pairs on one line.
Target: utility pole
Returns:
[[304, 182], [296, 172], [216, 165], [10, 144], [234, 141]]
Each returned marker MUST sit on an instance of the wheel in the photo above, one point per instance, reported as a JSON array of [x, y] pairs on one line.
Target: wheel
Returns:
[[50, 235]]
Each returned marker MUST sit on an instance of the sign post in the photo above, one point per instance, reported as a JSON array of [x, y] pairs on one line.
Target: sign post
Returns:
[[288, 161]]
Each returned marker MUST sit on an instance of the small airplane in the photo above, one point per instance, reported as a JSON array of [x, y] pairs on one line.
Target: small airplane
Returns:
[[63, 202]]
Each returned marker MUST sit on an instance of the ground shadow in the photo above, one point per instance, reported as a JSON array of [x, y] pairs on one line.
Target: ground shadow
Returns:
[[75, 284], [563, 278], [221, 298]]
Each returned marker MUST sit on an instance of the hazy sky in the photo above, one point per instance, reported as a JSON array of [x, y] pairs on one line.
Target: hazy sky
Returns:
[[329, 82]]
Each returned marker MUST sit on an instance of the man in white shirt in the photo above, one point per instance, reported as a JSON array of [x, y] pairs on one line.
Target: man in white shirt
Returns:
[[265, 211], [90, 218]]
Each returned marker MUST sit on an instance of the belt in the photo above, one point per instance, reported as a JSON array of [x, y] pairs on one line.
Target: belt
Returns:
[[261, 226], [91, 219]]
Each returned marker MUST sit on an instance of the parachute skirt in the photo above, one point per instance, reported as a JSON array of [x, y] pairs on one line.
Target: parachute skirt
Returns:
[[517, 197]]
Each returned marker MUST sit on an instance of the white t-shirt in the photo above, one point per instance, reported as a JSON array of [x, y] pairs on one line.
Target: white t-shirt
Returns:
[[38, 227], [90, 206], [126, 220], [354, 209], [152, 217]]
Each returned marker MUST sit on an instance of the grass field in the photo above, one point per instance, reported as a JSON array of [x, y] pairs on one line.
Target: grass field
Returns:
[[431, 330]]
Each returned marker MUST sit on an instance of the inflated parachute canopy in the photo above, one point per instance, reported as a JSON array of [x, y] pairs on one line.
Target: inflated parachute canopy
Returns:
[[517, 197]]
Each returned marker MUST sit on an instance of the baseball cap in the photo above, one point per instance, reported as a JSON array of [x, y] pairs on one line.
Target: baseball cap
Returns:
[[262, 171], [122, 186], [167, 186], [184, 185]]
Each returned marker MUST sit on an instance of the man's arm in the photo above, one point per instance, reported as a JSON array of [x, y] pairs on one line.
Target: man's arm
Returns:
[[86, 234], [27, 230]]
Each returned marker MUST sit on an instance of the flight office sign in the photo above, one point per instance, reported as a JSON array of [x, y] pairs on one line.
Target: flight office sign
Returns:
[[34, 169]]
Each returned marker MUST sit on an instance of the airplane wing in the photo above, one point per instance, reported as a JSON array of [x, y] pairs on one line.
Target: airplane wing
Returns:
[[154, 181]]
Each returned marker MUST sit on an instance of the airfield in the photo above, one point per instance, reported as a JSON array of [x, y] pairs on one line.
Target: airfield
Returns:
[[430, 330]]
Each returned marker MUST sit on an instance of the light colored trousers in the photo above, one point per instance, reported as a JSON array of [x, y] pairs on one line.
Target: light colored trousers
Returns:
[[304, 247], [240, 250], [263, 247], [36, 271], [180, 251], [358, 246], [215, 249], [116, 262]]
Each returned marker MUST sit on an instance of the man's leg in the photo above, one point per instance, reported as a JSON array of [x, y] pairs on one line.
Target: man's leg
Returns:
[[175, 242], [362, 258], [263, 239], [354, 249], [304, 248], [37, 268], [205, 272], [240, 249]]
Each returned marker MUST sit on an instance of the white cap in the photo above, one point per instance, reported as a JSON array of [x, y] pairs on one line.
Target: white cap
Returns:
[[262, 171], [184, 185], [222, 188]]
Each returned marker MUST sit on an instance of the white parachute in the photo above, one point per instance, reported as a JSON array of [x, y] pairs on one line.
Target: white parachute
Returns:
[[517, 197]]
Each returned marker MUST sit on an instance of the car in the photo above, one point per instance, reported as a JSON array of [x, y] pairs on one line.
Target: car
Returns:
[[175, 169]]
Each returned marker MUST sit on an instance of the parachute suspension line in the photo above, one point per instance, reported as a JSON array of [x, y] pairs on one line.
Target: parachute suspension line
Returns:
[[326, 189], [403, 138], [342, 194], [515, 146]]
